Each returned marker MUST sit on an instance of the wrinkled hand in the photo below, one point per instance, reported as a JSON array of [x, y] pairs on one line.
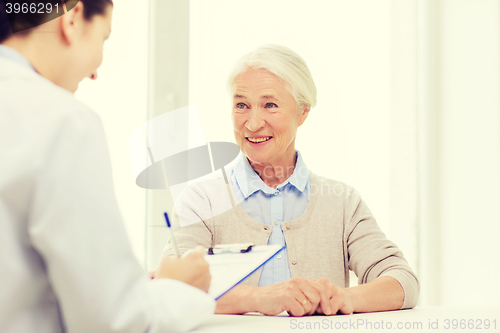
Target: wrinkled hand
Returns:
[[191, 269], [297, 296], [337, 300]]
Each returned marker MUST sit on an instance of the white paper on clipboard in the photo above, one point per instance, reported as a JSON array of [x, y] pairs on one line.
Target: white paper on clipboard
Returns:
[[229, 269]]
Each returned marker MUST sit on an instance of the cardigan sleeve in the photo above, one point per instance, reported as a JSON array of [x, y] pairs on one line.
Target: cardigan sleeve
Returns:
[[189, 222], [372, 255], [195, 213]]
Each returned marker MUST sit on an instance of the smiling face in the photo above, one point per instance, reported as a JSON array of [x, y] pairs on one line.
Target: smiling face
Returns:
[[265, 118], [74, 49], [87, 48]]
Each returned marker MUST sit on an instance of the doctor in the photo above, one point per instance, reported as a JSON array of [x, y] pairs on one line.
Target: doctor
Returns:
[[66, 264]]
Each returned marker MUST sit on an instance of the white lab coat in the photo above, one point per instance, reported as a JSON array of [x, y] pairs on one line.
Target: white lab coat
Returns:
[[65, 260]]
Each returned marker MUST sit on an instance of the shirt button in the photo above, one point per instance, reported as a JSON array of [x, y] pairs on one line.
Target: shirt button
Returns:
[[276, 222], [276, 193], [294, 262], [278, 256]]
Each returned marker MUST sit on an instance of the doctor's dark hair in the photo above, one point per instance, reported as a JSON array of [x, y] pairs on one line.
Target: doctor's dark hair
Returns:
[[22, 22]]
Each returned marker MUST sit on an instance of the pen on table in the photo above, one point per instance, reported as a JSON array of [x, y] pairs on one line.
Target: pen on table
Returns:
[[172, 236]]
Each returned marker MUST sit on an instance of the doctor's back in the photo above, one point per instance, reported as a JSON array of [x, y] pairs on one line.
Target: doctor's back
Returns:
[[66, 262]]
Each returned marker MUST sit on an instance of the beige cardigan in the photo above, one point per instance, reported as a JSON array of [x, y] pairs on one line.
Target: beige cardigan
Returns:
[[336, 233]]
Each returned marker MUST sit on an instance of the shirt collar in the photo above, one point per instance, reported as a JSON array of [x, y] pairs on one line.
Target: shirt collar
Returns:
[[11, 54], [250, 182], [300, 175]]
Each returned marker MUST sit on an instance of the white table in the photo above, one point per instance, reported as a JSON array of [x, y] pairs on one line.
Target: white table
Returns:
[[429, 319]]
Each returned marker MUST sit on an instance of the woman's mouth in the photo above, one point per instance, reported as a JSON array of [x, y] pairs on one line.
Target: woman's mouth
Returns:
[[259, 140]]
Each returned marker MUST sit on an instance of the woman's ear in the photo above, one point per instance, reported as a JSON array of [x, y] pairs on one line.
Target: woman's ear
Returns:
[[71, 22], [304, 112]]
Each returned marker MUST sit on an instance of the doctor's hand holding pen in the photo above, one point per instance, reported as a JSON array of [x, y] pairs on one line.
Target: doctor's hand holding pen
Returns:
[[191, 269]]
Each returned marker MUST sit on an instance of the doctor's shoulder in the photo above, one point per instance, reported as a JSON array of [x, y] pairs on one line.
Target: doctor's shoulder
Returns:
[[35, 105]]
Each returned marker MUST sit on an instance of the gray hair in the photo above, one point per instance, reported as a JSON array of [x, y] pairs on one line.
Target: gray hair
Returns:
[[287, 65]]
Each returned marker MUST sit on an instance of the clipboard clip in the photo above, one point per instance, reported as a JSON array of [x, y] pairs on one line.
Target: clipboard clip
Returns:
[[231, 248]]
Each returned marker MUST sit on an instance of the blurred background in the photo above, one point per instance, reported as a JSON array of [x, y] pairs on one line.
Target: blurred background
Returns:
[[408, 113]]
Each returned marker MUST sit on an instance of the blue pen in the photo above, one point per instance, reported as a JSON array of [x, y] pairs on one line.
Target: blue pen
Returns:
[[172, 236]]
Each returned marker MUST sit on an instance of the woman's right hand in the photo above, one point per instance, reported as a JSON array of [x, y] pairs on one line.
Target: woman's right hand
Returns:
[[191, 269], [298, 296]]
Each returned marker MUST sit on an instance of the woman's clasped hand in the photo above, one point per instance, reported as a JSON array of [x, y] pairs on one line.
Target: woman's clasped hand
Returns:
[[300, 297]]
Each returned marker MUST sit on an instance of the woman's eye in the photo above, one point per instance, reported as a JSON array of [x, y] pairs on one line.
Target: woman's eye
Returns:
[[240, 106], [271, 105]]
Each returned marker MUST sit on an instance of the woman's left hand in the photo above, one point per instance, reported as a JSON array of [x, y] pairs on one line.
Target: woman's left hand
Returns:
[[341, 300]]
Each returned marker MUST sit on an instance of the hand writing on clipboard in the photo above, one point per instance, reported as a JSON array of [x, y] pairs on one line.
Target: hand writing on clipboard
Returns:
[[230, 264], [192, 268]]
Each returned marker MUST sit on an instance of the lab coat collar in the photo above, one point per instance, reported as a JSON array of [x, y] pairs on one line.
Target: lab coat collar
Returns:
[[11, 54]]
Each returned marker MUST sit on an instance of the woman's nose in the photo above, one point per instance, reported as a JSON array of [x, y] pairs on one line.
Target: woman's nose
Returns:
[[255, 121]]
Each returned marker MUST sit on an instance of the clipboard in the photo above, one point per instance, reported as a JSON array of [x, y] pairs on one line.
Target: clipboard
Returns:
[[228, 269]]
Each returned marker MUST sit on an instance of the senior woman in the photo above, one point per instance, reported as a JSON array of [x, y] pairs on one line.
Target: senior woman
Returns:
[[327, 228]]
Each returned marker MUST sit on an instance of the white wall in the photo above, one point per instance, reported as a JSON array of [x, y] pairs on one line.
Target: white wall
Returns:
[[459, 148], [469, 118], [168, 90], [119, 96], [403, 127], [347, 48]]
